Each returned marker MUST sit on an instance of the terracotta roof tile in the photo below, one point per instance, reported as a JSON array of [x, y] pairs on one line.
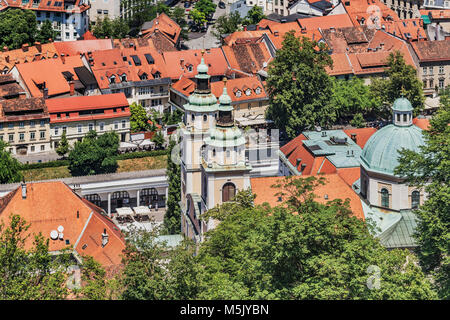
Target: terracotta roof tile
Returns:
[[72, 48], [334, 188], [50, 204], [361, 135]]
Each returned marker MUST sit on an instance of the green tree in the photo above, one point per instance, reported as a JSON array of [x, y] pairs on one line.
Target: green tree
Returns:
[[103, 28], [299, 88], [138, 118], [254, 15], [172, 218], [227, 24], [430, 169], [17, 27], [358, 120], [29, 274], [351, 97], [302, 249], [46, 32], [9, 166], [198, 16], [94, 154], [208, 7], [120, 29], [178, 15], [402, 79], [158, 139], [63, 146]]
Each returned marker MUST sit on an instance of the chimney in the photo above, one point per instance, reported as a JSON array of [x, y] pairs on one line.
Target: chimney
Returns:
[[25, 47], [72, 87], [245, 28], [63, 58], [5, 48], [257, 27], [45, 93], [104, 238], [182, 63], [7, 58], [24, 190], [38, 46]]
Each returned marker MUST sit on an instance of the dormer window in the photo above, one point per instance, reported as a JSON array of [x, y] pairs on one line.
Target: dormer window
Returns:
[[157, 75], [123, 78], [258, 90], [248, 92], [190, 68], [144, 76], [238, 93], [112, 79]]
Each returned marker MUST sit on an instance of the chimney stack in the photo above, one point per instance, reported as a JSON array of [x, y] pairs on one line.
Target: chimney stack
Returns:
[[5, 48], [182, 63], [7, 58], [25, 47], [45, 93], [38, 46], [72, 87], [24, 190], [105, 238]]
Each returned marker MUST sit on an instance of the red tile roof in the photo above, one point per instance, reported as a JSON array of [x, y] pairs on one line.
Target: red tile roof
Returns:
[[241, 84], [362, 135], [244, 36], [335, 188], [50, 204], [33, 74], [82, 46], [249, 58], [8, 58], [168, 27], [349, 175], [423, 124], [432, 50], [436, 14], [185, 86], [178, 62]]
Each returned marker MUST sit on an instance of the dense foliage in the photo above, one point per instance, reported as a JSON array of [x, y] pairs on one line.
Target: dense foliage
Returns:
[[18, 27], [254, 15], [63, 145], [94, 154], [227, 24], [107, 28], [299, 88], [172, 218], [29, 273], [430, 168], [139, 118], [9, 166], [402, 79]]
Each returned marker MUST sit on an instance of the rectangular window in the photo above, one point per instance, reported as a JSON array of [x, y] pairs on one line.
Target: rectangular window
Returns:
[[32, 123], [32, 148], [91, 126], [80, 128], [43, 147], [56, 131], [441, 69], [42, 123], [42, 134], [64, 129], [441, 83], [11, 137], [116, 125], [1, 126], [424, 70], [11, 125], [430, 69], [124, 124], [32, 135], [102, 126]]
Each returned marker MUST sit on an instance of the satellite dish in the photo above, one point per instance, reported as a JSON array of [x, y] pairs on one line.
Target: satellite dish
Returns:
[[61, 236], [54, 234], [60, 229]]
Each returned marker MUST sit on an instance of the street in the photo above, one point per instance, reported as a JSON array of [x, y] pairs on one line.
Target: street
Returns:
[[205, 40]]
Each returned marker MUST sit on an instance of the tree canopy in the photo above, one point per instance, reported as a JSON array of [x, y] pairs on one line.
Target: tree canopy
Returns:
[[299, 88], [430, 168], [139, 118], [227, 24], [172, 217], [402, 78], [29, 274], [94, 154], [107, 28], [63, 145], [9, 166], [254, 15]]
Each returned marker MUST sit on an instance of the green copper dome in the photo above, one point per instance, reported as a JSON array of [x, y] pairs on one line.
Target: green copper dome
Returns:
[[202, 67], [225, 101], [402, 104], [225, 137], [380, 153]]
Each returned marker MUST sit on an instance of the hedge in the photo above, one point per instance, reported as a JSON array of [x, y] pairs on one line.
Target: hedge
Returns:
[[49, 164]]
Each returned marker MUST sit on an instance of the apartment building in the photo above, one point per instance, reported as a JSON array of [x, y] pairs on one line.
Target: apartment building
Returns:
[[24, 125], [69, 17], [76, 116]]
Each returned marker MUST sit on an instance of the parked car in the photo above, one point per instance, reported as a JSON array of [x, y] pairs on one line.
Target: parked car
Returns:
[[187, 4], [195, 28], [222, 5]]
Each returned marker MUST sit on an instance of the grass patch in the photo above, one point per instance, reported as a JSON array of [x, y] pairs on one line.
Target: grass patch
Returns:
[[138, 164], [146, 163]]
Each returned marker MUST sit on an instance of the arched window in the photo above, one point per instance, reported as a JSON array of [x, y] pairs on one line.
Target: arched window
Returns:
[[384, 198], [228, 191], [415, 199], [94, 198]]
